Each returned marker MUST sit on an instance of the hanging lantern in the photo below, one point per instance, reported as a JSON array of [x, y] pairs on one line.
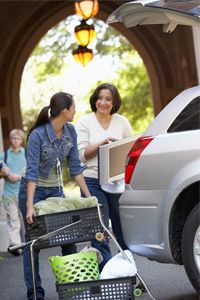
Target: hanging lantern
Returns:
[[87, 8], [84, 33], [82, 55]]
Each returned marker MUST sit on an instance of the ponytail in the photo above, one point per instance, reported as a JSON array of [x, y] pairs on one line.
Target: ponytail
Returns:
[[58, 102], [42, 118]]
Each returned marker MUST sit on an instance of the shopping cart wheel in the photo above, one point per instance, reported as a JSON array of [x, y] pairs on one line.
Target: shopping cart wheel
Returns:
[[137, 292], [99, 236]]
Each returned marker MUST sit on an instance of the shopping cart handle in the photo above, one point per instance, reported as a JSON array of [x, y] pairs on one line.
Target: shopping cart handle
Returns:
[[16, 247]]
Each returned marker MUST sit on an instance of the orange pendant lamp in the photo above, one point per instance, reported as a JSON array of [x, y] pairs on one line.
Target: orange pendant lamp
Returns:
[[84, 33], [82, 55], [87, 8]]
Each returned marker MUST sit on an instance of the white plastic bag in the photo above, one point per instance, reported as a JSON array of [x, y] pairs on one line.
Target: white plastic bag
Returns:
[[118, 266]]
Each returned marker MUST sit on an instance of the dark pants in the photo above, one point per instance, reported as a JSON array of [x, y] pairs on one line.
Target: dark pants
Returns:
[[41, 193], [111, 209]]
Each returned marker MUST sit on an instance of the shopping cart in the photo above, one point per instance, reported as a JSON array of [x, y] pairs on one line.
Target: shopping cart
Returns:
[[78, 226]]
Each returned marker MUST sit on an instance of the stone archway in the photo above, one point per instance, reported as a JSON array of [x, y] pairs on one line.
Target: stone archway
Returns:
[[169, 58]]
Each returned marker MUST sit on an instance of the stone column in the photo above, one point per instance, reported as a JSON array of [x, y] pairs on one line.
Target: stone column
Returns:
[[196, 37]]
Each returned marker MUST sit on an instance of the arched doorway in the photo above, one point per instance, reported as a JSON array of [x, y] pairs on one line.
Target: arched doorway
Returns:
[[169, 59]]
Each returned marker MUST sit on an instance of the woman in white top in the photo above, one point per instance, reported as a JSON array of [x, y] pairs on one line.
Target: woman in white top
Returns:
[[100, 127]]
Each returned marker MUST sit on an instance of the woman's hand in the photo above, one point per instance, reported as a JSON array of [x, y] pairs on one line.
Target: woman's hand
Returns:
[[30, 214], [107, 141], [92, 150]]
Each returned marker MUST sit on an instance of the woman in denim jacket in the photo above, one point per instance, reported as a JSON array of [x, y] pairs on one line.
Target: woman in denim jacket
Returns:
[[50, 141]]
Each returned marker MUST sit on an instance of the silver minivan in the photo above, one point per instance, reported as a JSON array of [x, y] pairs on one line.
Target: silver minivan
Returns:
[[160, 207]]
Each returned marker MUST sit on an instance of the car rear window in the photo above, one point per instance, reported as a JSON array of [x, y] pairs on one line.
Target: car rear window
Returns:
[[188, 119]]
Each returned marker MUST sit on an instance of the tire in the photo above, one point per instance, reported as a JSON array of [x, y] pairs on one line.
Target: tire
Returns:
[[190, 242]]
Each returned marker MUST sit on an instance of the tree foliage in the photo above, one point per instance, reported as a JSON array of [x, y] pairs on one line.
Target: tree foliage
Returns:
[[49, 55], [134, 86]]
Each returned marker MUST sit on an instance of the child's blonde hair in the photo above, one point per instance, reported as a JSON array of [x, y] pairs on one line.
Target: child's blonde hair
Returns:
[[18, 132]]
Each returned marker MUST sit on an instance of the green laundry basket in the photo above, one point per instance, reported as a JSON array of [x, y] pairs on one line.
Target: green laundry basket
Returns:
[[75, 267]]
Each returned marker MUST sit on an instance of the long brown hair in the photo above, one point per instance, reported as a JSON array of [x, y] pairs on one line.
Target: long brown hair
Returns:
[[58, 102]]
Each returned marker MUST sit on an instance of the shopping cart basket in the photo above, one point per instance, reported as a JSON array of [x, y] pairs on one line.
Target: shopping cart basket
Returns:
[[90, 226], [76, 230]]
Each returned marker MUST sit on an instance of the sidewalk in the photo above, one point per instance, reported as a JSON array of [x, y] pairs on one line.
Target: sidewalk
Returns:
[[161, 278], [12, 285]]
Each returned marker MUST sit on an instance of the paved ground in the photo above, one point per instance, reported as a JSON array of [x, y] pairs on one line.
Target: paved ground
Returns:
[[167, 282]]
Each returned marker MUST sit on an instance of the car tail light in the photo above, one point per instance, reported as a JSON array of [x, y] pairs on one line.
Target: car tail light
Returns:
[[134, 155]]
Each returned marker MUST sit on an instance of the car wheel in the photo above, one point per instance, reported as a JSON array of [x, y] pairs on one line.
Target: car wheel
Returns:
[[191, 247]]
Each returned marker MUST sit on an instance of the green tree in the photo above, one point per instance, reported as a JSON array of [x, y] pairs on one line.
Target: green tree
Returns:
[[134, 86], [49, 55]]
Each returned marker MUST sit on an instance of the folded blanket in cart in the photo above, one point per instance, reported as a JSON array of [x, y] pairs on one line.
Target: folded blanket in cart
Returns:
[[58, 204], [118, 266]]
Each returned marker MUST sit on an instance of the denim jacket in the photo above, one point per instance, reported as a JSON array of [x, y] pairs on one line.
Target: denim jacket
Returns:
[[44, 148]]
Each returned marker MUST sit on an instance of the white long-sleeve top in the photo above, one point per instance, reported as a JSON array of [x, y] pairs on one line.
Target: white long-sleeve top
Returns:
[[90, 131]]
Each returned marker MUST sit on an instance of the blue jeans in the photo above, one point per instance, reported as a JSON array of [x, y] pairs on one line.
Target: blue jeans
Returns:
[[110, 203], [41, 193]]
